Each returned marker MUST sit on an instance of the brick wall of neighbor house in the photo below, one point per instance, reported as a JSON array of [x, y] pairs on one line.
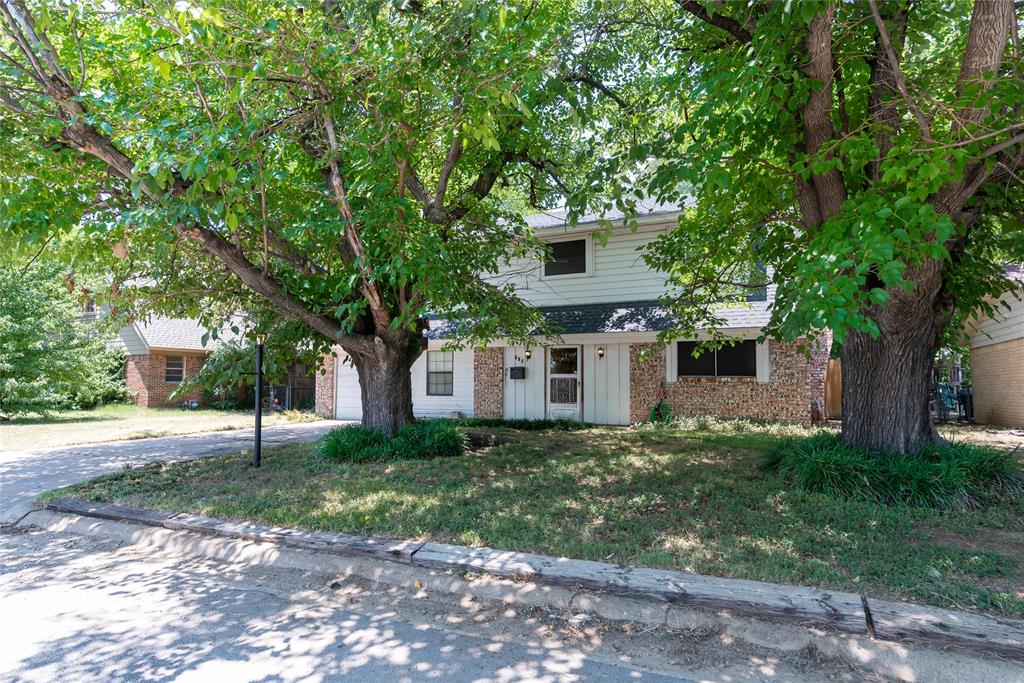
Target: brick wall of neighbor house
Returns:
[[489, 383], [795, 381], [144, 376], [997, 380], [325, 385]]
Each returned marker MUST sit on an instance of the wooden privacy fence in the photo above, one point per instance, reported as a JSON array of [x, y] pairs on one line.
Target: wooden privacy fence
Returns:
[[834, 390]]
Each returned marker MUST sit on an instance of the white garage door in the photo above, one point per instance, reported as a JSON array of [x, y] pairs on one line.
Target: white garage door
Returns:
[[348, 403]]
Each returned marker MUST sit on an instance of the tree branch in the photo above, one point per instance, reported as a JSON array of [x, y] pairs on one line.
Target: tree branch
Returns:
[[727, 24], [897, 75]]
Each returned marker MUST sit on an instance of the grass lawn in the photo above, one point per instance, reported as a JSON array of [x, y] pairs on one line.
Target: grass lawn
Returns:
[[653, 496], [114, 422]]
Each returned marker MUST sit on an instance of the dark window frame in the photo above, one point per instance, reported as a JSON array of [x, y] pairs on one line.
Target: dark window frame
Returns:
[[441, 382], [586, 262], [168, 377], [684, 353]]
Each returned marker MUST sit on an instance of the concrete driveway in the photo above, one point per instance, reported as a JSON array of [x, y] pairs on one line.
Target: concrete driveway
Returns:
[[26, 474]]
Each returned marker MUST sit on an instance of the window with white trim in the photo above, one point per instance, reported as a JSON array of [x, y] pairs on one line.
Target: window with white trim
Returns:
[[440, 373], [737, 360], [174, 369], [568, 257]]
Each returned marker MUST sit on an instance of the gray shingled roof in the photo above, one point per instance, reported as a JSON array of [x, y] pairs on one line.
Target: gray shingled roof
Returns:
[[556, 218], [159, 332], [628, 316]]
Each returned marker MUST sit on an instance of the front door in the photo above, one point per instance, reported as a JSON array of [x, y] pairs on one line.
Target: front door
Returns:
[[563, 382]]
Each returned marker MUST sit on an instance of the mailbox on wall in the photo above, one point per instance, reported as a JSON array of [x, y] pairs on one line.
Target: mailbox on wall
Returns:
[[517, 372]]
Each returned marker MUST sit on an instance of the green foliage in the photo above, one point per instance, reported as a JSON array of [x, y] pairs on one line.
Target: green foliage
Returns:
[[954, 476], [661, 413], [50, 359], [421, 440], [522, 424], [103, 383], [229, 116], [716, 123]]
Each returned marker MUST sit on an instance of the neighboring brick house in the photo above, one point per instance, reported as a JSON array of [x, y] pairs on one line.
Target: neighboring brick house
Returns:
[[997, 359], [606, 367], [162, 353]]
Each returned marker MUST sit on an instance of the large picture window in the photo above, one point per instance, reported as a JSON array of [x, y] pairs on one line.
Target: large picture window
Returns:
[[568, 257], [174, 369], [440, 373], [738, 360]]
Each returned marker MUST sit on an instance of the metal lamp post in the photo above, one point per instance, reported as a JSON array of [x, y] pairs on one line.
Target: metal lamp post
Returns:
[[256, 454]]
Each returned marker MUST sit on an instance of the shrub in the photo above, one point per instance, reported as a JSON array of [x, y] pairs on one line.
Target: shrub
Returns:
[[937, 476], [560, 424], [418, 441]]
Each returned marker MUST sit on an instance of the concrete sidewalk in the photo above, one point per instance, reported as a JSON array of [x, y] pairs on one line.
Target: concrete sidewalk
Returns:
[[26, 474]]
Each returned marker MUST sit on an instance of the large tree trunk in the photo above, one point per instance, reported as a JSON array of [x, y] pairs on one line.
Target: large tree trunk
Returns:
[[886, 379], [385, 380]]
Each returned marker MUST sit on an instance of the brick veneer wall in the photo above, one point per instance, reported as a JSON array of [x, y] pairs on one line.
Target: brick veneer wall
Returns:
[[489, 382], [325, 385], [795, 381], [997, 380], [144, 377]]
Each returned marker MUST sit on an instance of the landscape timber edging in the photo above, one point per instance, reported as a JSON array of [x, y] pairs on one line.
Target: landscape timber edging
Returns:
[[837, 610]]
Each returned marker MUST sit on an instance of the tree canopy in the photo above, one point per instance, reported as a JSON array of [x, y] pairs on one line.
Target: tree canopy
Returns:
[[50, 356], [864, 159], [351, 166]]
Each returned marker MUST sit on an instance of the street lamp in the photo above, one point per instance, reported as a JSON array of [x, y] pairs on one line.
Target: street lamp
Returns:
[[256, 454]]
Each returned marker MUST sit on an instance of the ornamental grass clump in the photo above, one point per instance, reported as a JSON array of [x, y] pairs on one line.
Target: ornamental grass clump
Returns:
[[418, 441], [937, 476]]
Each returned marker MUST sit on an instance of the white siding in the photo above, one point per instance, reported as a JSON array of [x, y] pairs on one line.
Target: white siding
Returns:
[[619, 273], [442, 406], [606, 384], [132, 341], [348, 401], [1005, 325], [524, 398]]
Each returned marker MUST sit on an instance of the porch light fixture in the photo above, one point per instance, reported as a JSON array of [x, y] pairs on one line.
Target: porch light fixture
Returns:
[[600, 352], [528, 354]]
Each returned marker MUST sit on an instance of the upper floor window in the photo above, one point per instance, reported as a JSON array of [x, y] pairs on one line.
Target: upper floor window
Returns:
[[567, 257], [174, 369], [738, 360], [440, 373]]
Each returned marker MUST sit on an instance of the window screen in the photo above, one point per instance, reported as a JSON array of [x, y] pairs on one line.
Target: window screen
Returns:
[[440, 373], [174, 369], [739, 360], [567, 258]]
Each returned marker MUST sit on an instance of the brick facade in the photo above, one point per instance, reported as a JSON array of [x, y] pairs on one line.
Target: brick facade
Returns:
[[489, 382], [997, 379], [794, 382], [144, 377], [325, 385]]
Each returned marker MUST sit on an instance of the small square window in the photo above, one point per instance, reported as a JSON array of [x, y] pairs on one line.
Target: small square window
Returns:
[[567, 258], [174, 369], [440, 373]]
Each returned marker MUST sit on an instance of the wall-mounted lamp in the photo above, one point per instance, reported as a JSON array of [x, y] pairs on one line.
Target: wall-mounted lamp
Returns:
[[600, 352], [528, 354]]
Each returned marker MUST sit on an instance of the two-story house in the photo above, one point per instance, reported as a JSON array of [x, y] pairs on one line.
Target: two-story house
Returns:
[[606, 368]]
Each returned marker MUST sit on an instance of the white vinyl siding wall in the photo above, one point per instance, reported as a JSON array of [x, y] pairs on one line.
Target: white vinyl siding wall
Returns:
[[619, 272], [348, 404], [606, 384], [1005, 325], [524, 398]]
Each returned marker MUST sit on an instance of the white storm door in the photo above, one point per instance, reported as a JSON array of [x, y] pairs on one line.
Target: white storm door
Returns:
[[563, 385]]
